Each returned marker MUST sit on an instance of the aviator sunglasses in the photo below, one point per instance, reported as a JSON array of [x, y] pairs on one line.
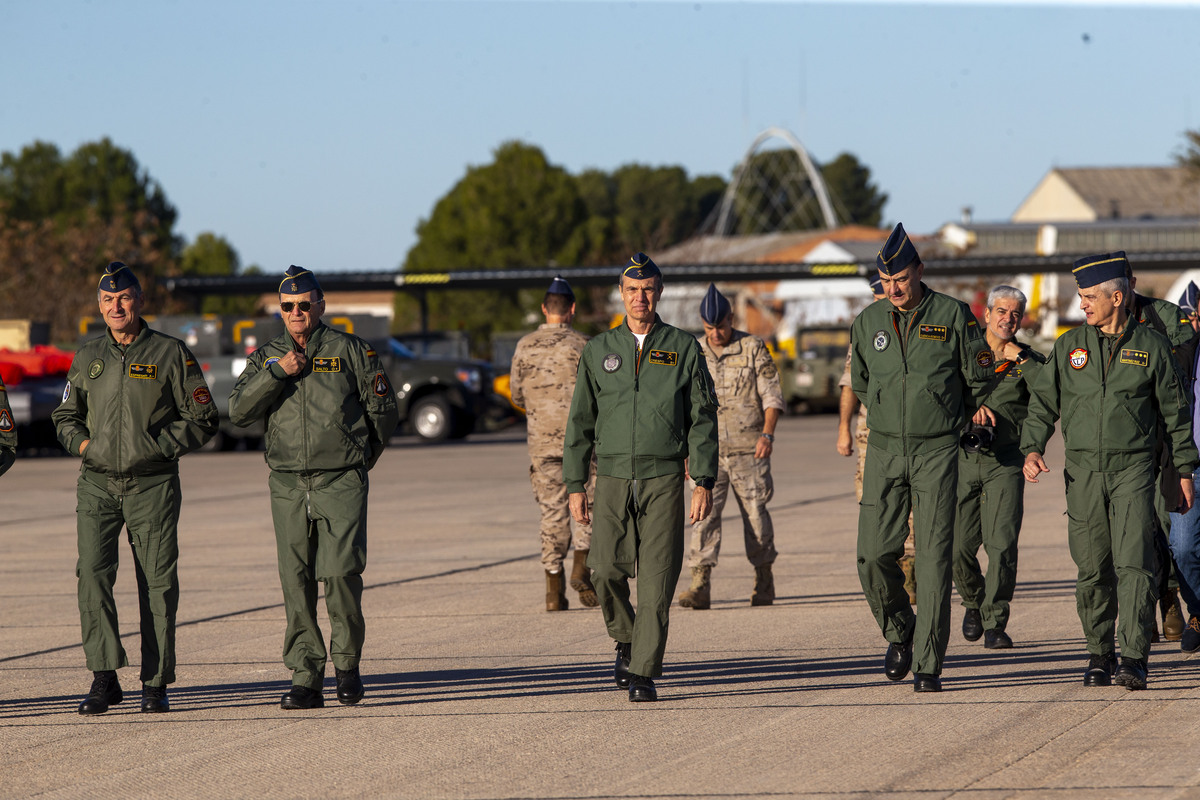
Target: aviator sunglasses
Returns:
[[304, 306]]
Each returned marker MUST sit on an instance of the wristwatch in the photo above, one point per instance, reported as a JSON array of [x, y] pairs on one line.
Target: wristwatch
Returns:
[[770, 437], [706, 483]]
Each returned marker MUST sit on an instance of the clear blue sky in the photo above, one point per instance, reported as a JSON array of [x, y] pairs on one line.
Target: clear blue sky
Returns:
[[321, 133]]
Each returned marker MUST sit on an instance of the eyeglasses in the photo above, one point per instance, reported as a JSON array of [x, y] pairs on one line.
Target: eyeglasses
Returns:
[[304, 306]]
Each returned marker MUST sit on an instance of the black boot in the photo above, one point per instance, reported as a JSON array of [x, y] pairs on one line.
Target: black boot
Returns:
[[1100, 670], [621, 672], [349, 686], [105, 692], [972, 626], [1131, 674], [641, 690], [302, 697], [154, 699]]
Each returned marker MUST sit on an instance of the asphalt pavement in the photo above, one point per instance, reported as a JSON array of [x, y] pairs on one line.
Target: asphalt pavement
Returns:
[[474, 691]]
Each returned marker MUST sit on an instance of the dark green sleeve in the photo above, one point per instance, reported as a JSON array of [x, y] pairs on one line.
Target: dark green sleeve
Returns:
[[976, 359], [580, 438], [1044, 399], [702, 431], [1175, 410], [378, 399], [256, 389], [196, 419], [70, 417]]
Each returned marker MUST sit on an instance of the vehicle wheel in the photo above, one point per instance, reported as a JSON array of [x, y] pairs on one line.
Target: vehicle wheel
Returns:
[[431, 418]]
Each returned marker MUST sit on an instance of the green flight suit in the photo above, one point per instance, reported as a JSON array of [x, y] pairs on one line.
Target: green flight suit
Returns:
[[643, 411], [325, 428], [8, 432], [140, 406], [916, 372], [991, 498], [1110, 394]]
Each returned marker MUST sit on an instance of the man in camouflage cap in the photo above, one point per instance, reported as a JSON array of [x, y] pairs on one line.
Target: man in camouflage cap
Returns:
[[544, 367], [135, 401], [749, 404]]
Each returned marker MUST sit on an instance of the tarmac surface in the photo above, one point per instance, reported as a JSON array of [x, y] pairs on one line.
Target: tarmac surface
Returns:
[[474, 691]]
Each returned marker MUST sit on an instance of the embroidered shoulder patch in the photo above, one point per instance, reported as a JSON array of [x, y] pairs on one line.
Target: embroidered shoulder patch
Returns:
[[327, 364], [1137, 357], [6, 420], [984, 358], [664, 357], [1078, 358], [935, 332], [95, 368], [381, 385], [202, 395], [146, 372]]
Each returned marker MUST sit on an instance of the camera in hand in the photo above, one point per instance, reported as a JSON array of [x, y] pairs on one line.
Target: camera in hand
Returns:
[[977, 437]]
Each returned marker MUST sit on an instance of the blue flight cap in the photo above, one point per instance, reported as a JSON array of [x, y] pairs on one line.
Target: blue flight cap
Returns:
[[714, 307], [1094, 270], [118, 277], [640, 267], [1187, 301], [897, 253], [298, 280], [876, 282], [560, 286]]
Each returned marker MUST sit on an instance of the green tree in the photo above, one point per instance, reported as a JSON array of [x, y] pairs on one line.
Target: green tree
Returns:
[[518, 211], [856, 200], [214, 256], [1189, 159]]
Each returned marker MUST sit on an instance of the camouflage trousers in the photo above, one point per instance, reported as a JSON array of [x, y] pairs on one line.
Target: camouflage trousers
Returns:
[[750, 480], [861, 434], [546, 476]]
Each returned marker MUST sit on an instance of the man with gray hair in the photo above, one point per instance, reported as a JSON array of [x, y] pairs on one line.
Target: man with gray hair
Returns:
[[991, 488]]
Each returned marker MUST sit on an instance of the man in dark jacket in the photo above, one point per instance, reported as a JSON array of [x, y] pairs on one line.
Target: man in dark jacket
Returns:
[[917, 361], [329, 411], [135, 401], [1111, 382], [644, 403]]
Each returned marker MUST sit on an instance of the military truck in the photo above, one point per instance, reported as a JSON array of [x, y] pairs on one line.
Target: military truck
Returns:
[[809, 380]]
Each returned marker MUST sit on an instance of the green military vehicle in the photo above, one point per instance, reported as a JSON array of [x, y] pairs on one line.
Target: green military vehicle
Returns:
[[809, 380]]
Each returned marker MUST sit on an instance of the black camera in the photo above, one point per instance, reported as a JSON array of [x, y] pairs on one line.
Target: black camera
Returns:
[[977, 437]]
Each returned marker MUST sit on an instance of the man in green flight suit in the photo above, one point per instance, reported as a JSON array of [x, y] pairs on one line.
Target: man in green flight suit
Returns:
[[1110, 382], [8, 432], [135, 401], [991, 487], [917, 362], [644, 402], [330, 411]]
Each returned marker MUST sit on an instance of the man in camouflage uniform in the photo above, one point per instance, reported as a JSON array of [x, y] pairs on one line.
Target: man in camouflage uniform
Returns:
[[847, 441], [135, 401], [544, 367], [8, 432], [749, 404]]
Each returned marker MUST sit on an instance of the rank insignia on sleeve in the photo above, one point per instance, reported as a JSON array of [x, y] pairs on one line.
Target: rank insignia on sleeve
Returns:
[[202, 395], [612, 362], [881, 341], [95, 368], [1078, 358], [66, 391], [6, 420], [1137, 357], [664, 357], [935, 332], [146, 372], [984, 358], [381, 385], [333, 364]]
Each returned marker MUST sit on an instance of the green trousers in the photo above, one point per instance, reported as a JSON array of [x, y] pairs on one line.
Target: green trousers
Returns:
[[991, 503], [152, 519], [892, 486], [321, 535], [1110, 530], [637, 530]]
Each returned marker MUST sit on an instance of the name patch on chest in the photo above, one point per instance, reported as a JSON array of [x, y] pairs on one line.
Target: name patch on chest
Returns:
[[327, 364], [1137, 357], [935, 332], [146, 372], [664, 357]]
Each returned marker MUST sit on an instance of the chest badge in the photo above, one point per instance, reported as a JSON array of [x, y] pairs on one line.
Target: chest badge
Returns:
[[881, 340], [95, 368], [327, 364], [1138, 358], [612, 362], [984, 358], [664, 357], [145, 372], [935, 332], [1078, 358]]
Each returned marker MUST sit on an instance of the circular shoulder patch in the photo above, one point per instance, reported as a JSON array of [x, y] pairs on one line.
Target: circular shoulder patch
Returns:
[[612, 362], [67, 392], [881, 340], [1078, 358], [984, 358], [95, 368], [202, 396]]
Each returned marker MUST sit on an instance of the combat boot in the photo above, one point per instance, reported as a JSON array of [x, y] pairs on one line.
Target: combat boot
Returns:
[[698, 595], [556, 592], [1172, 615], [105, 692], [910, 578], [581, 580], [764, 586]]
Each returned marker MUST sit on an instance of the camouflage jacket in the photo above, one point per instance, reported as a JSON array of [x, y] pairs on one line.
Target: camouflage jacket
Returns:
[[544, 367], [747, 384]]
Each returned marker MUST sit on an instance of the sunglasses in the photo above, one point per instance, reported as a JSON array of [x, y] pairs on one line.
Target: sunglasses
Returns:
[[304, 306]]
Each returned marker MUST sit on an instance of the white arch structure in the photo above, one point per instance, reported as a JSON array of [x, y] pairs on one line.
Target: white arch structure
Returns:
[[814, 178]]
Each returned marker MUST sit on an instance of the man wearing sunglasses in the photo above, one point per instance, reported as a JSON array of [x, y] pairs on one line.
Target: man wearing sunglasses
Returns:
[[329, 411]]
